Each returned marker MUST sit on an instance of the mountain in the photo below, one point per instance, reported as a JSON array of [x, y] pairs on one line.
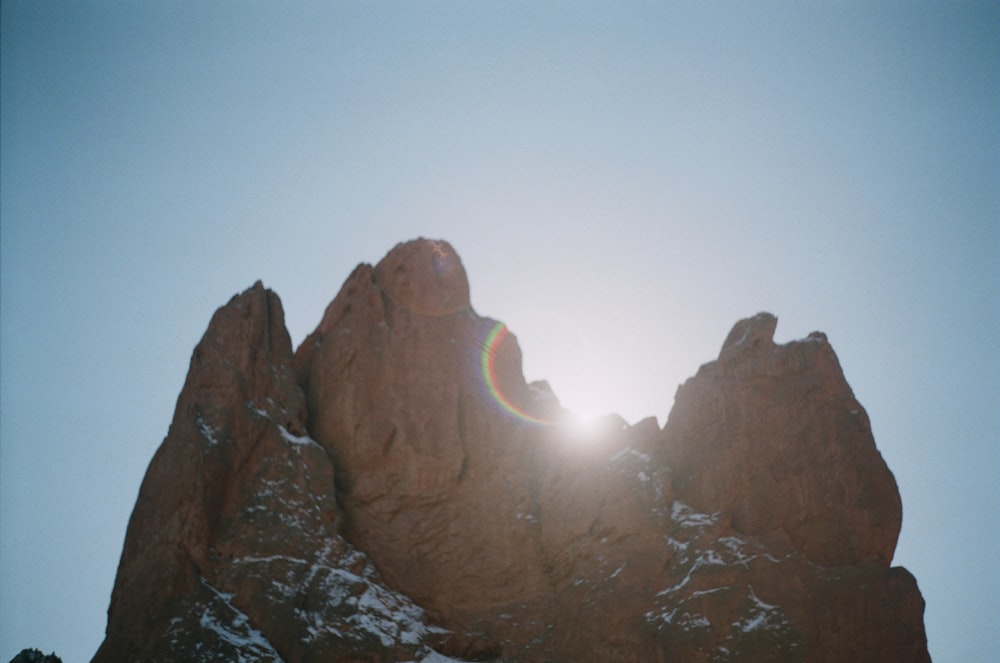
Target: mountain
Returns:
[[393, 490]]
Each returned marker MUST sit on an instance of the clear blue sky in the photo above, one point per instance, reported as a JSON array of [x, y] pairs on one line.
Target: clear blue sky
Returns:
[[623, 181]]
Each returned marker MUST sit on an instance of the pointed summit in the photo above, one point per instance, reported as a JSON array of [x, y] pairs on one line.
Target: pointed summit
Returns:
[[424, 276], [401, 494]]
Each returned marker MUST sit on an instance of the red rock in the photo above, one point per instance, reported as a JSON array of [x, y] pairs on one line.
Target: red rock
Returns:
[[758, 525], [394, 385], [232, 551], [773, 436]]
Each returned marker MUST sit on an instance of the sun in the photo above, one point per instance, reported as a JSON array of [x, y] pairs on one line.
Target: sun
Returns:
[[559, 354]]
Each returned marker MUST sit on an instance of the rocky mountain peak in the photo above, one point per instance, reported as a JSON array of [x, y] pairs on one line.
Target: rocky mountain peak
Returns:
[[773, 435], [424, 276], [395, 491], [751, 332]]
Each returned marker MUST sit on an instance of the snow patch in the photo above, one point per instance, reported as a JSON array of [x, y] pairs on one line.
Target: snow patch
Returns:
[[689, 621], [686, 620], [706, 558], [679, 546], [735, 545], [709, 591], [685, 516], [238, 632], [761, 616], [372, 609], [303, 440], [207, 431]]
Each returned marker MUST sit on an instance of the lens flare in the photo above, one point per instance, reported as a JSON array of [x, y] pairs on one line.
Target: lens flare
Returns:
[[487, 362]]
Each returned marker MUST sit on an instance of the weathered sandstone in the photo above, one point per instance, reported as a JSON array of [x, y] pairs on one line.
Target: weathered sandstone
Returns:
[[396, 491]]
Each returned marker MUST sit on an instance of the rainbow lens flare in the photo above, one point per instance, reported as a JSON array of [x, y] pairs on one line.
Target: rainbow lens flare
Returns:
[[487, 362]]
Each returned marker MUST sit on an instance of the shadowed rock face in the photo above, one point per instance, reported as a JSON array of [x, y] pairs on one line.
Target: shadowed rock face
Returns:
[[232, 551], [397, 490]]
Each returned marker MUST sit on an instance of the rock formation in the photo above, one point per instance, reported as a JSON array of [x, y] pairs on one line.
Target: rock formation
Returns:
[[232, 551], [396, 491], [773, 436]]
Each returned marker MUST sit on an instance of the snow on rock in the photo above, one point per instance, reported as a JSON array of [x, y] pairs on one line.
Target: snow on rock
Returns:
[[211, 629], [755, 519], [233, 627], [712, 597], [207, 431], [761, 616], [434, 657], [238, 546], [685, 516], [296, 439], [370, 607]]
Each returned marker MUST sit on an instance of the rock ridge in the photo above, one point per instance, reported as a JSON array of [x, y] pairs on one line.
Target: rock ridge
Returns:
[[394, 490]]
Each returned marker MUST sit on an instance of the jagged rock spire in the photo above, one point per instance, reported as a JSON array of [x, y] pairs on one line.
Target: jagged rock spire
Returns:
[[396, 491]]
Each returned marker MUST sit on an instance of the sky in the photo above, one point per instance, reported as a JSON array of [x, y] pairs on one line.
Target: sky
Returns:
[[623, 181]]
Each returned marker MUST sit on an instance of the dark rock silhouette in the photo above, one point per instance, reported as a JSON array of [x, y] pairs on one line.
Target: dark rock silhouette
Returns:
[[396, 491], [35, 656]]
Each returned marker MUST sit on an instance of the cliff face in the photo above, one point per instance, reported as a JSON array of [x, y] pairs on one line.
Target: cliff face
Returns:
[[773, 436], [233, 551], [395, 491]]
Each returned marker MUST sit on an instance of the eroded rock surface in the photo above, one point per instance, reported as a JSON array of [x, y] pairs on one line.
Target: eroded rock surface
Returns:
[[232, 552], [403, 494], [773, 436]]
